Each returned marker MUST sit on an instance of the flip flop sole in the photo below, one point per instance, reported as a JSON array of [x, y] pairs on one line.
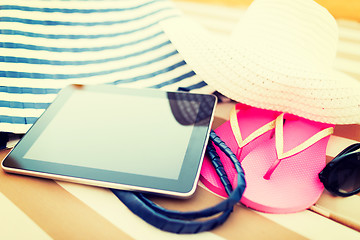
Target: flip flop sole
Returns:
[[294, 185], [249, 119]]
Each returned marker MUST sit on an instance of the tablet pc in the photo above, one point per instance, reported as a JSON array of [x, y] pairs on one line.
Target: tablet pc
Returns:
[[132, 139]]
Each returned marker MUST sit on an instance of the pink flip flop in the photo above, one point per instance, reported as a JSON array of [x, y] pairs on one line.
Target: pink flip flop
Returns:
[[282, 173], [252, 124]]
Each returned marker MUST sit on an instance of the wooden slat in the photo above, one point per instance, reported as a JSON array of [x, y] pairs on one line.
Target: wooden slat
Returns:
[[56, 211]]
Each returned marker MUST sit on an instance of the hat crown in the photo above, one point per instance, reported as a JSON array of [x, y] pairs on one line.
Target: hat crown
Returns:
[[296, 32]]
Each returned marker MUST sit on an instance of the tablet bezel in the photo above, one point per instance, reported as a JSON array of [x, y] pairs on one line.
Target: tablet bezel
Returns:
[[184, 186]]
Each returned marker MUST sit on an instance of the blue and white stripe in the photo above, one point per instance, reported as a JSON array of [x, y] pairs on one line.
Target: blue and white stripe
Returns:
[[46, 45]]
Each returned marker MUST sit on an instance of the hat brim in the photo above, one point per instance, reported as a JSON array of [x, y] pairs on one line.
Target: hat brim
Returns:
[[244, 75]]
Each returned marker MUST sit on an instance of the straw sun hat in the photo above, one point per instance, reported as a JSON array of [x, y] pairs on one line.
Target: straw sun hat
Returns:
[[279, 57]]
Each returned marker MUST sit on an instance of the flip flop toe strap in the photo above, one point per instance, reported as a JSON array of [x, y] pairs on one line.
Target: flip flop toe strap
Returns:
[[234, 123], [279, 143]]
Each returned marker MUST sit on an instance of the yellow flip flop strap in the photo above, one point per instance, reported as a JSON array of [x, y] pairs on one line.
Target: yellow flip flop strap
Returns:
[[279, 143], [279, 138], [234, 123]]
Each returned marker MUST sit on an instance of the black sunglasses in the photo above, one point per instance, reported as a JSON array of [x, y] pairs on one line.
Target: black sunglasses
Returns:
[[341, 176]]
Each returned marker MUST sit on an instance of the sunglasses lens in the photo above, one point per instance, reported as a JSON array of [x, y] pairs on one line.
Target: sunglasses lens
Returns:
[[347, 176]]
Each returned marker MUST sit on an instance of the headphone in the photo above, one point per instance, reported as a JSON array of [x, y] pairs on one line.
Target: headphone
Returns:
[[186, 222]]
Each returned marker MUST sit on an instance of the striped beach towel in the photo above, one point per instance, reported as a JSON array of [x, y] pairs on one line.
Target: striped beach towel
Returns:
[[46, 45]]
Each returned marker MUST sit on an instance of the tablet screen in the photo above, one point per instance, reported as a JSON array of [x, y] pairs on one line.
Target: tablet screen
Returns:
[[136, 139], [103, 131]]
